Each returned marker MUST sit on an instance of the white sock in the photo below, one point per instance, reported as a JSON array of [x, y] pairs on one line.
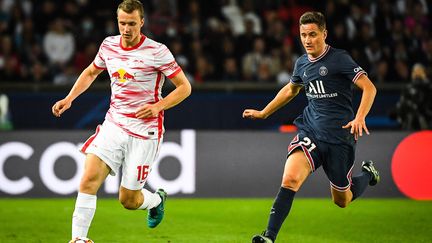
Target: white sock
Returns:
[[85, 207], [151, 200]]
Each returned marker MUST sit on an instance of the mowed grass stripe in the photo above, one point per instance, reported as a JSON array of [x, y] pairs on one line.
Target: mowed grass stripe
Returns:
[[222, 220]]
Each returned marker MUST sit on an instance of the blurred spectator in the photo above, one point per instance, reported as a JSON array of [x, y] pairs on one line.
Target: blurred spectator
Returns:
[[264, 74], [288, 58], [195, 50], [38, 73], [383, 19], [244, 41], [401, 71], [284, 76], [87, 27], [237, 16], [193, 21], [67, 77], [276, 33], [231, 70], [110, 28], [287, 51], [218, 44], [5, 122], [36, 55], [374, 54], [226, 51], [176, 48], [162, 18], [252, 61], [357, 21], [339, 37], [10, 63], [416, 15], [381, 73], [26, 38], [426, 58], [85, 57], [44, 14], [414, 109], [290, 11], [70, 14], [385, 37], [58, 44], [204, 70]]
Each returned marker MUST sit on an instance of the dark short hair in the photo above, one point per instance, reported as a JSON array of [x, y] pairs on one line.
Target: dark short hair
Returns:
[[313, 18], [131, 5]]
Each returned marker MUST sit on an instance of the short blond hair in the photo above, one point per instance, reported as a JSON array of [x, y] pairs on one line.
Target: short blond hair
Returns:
[[131, 5]]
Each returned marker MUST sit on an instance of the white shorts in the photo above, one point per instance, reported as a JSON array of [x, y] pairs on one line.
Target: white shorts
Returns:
[[118, 149]]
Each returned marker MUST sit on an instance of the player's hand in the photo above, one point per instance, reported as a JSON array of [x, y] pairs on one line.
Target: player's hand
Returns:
[[356, 127], [147, 111], [253, 114], [61, 106]]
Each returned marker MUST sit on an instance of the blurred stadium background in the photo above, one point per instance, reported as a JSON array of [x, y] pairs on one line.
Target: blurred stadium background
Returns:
[[237, 54]]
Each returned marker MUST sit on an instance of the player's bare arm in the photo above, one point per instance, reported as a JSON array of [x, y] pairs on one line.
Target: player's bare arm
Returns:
[[283, 97], [359, 123], [82, 84], [182, 91]]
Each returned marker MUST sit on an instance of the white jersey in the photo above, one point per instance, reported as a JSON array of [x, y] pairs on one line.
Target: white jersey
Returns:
[[137, 76]]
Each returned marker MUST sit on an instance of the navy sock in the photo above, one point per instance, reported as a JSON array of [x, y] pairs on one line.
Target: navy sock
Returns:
[[279, 211], [359, 184]]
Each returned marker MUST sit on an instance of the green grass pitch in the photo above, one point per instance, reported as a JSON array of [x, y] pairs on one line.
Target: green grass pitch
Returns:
[[222, 220]]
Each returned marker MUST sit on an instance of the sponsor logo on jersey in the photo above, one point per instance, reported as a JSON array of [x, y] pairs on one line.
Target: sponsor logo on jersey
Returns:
[[122, 76], [316, 90], [358, 69]]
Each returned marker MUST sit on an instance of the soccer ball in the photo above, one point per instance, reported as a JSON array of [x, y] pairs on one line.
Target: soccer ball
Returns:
[[81, 240]]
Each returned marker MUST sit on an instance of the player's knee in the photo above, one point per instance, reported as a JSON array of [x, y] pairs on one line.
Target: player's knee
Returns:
[[129, 200], [342, 203], [89, 184], [129, 203], [291, 181]]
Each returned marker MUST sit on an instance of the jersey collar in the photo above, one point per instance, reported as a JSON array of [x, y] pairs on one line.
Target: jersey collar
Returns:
[[326, 49], [143, 37]]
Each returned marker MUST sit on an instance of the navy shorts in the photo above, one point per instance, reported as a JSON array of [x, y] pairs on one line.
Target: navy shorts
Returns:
[[337, 160]]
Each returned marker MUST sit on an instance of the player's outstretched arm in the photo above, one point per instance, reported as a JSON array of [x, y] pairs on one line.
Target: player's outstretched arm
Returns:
[[285, 95], [182, 91], [81, 84], [357, 125]]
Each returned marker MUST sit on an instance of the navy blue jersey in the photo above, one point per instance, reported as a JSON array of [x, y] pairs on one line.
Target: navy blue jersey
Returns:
[[328, 81]]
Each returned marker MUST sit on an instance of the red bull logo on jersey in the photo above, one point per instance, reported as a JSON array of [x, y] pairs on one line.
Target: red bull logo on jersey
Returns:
[[122, 76]]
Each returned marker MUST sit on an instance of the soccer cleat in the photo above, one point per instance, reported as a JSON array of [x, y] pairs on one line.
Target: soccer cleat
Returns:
[[156, 214], [368, 166], [81, 240], [261, 238]]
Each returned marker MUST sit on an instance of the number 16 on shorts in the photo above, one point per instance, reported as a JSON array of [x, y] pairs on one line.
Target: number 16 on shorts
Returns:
[[143, 171]]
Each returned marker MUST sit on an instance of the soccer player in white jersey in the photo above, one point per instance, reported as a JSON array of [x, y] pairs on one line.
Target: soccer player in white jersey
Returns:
[[132, 132]]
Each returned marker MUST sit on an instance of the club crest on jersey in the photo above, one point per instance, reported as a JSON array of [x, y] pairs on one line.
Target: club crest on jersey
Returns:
[[122, 76], [323, 71]]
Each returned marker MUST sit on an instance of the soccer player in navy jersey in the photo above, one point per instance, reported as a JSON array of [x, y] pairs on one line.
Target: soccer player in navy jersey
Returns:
[[328, 128]]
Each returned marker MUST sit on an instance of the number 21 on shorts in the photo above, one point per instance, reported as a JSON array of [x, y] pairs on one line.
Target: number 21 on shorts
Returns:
[[143, 171], [308, 144]]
